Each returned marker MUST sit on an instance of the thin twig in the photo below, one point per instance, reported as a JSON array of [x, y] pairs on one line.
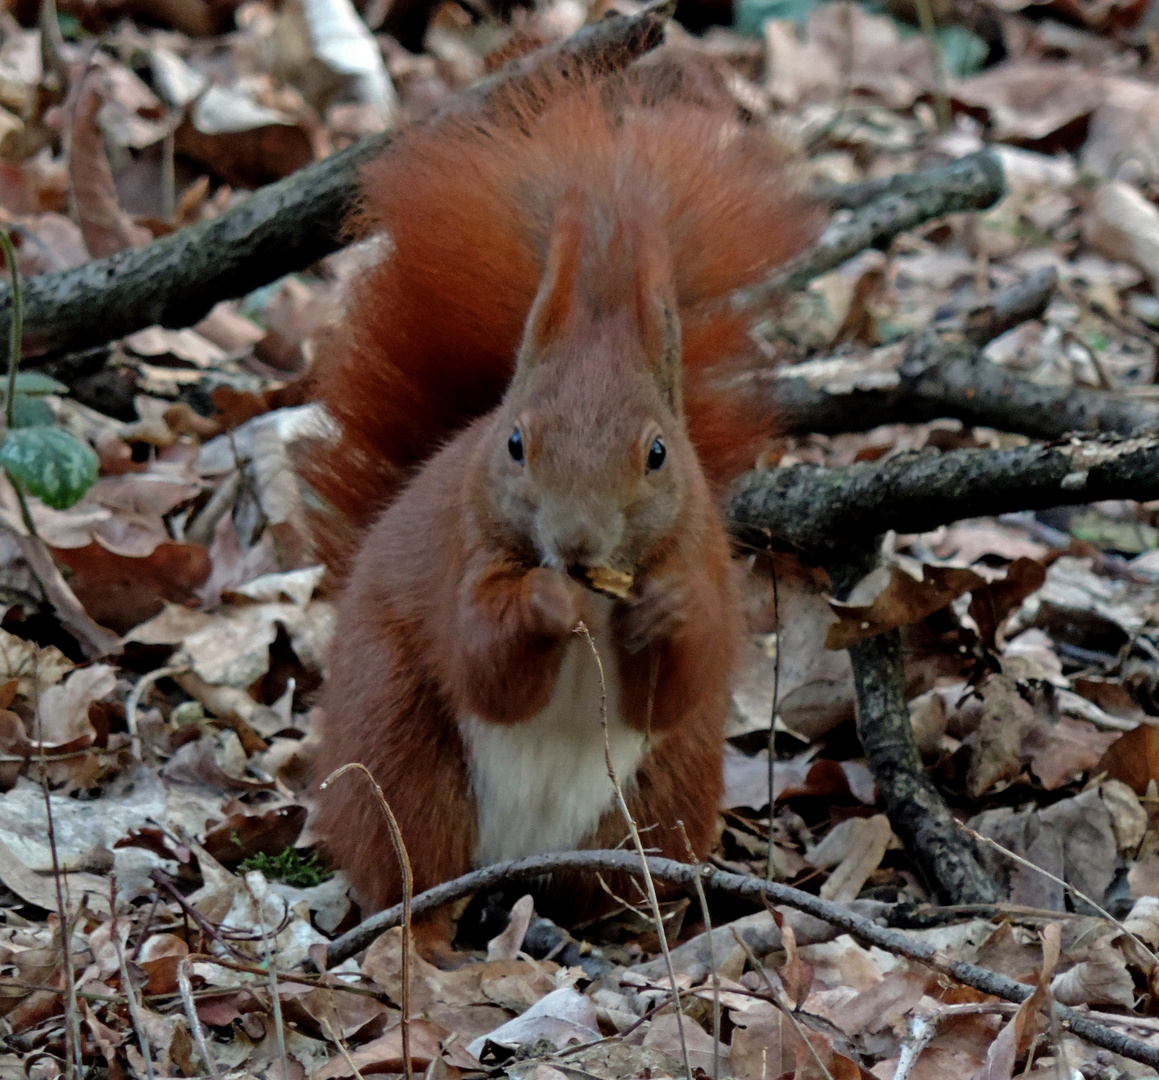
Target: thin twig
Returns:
[[133, 702], [134, 1007], [649, 884], [72, 1027], [780, 1001], [407, 892], [922, 1029], [769, 858], [186, 991], [750, 888], [15, 329], [704, 914], [1027, 864], [338, 1041], [275, 997]]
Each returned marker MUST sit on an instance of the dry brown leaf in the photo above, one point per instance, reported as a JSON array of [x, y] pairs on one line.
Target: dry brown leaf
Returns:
[[1064, 750], [1133, 758], [855, 848], [64, 708], [241, 835], [663, 1035], [764, 1043], [121, 592], [1029, 101], [1123, 224], [1101, 978], [106, 227], [506, 946], [1007, 719], [991, 603], [561, 1018], [796, 974], [1071, 839], [903, 600]]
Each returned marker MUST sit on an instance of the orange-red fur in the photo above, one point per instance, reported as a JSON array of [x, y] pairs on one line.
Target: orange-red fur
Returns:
[[636, 200]]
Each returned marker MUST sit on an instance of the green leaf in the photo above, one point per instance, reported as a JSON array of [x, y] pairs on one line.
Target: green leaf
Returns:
[[750, 15], [31, 412], [51, 464], [36, 383], [963, 52]]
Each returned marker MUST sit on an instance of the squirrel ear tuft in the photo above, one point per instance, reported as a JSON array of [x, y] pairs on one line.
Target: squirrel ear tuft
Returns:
[[657, 314], [555, 303]]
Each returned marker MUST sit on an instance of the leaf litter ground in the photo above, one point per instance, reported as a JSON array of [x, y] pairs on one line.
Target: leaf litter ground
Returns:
[[177, 768]]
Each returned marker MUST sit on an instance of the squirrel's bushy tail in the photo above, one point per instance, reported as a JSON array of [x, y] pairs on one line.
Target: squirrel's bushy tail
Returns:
[[465, 209]]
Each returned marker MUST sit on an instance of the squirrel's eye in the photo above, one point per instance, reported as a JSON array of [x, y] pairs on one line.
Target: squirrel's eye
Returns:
[[656, 454], [515, 446]]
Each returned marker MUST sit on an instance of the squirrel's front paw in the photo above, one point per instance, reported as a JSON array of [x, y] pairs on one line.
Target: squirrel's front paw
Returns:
[[659, 611], [553, 602]]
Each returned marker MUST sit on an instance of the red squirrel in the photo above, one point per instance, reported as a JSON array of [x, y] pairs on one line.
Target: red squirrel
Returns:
[[527, 389]]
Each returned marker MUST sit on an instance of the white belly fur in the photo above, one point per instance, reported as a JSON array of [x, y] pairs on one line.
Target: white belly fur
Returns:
[[542, 785]]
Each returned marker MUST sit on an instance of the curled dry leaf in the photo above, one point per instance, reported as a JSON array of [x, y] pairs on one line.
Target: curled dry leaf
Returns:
[[1028, 102], [563, 1017], [506, 946], [1133, 758], [1123, 224], [1101, 978], [903, 600], [855, 849], [242, 835], [107, 229]]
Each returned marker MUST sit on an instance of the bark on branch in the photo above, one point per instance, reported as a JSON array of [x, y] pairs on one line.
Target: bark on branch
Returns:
[[748, 888], [974, 182], [915, 808], [286, 226], [943, 374], [837, 516], [283, 227], [819, 512]]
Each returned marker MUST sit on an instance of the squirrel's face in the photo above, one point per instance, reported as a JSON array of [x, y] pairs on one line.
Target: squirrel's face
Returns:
[[590, 465]]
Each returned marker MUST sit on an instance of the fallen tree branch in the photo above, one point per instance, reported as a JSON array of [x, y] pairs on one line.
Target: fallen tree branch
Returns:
[[748, 888], [837, 516], [916, 810], [286, 226], [944, 375], [817, 511], [974, 182]]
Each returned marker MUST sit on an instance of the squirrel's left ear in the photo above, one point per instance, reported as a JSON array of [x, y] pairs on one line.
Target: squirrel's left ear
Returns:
[[555, 303], [657, 313]]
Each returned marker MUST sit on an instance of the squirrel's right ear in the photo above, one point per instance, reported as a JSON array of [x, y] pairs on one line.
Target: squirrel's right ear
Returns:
[[556, 301]]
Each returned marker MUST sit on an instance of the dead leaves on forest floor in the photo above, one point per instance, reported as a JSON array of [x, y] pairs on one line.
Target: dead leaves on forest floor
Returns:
[[178, 767]]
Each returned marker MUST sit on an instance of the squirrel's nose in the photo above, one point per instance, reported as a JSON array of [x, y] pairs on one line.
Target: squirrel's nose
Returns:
[[577, 548]]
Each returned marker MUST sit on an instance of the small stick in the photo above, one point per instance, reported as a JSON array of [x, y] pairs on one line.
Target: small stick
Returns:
[[1147, 951], [134, 1007], [275, 1000], [773, 722], [186, 991], [133, 702], [780, 1001], [748, 888], [338, 1041], [407, 892], [703, 901], [922, 1029], [649, 884], [72, 1028]]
